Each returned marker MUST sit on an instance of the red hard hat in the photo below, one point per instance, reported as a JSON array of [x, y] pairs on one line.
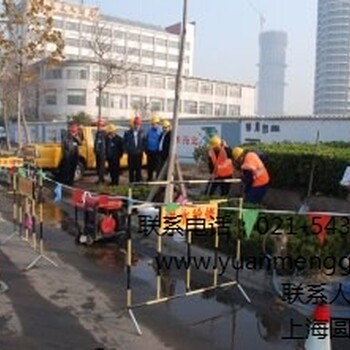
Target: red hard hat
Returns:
[[137, 120]]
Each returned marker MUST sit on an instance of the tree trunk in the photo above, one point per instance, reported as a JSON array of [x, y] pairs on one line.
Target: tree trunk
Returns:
[[19, 104], [169, 193], [6, 122]]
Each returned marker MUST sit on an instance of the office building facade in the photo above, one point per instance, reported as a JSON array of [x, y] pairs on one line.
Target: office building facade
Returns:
[[332, 80]]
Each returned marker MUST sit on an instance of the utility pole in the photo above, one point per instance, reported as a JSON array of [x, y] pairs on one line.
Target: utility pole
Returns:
[[169, 193]]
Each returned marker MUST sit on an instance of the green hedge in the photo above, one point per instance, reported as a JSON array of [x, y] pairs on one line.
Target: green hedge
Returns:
[[290, 165]]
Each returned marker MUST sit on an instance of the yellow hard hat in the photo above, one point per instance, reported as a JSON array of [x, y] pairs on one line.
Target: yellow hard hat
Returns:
[[166, 124], [237, 152], [111, 128], [215, 141], [155, 119]]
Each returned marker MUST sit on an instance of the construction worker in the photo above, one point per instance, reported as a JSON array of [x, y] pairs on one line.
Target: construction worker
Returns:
[[70, 154], [152, 147], [220, 166], [100, 150], [135, 145], [164, 145], [253, 173], [114, 151]]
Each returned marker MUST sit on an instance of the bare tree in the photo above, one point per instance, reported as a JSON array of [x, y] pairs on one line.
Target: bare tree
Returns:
[[112, 67], [25, 39]]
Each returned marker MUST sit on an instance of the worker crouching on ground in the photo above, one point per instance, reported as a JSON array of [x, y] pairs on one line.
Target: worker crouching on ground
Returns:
[[114, 151], [100, 150], [254, 174], [220, 166], [152, 147], [70, 154]]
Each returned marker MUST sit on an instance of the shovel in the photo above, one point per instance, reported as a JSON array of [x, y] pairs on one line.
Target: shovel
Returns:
[[304, 208]]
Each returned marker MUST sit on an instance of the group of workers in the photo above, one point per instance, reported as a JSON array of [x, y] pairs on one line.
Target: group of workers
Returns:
[[223, 163], [109, 147]]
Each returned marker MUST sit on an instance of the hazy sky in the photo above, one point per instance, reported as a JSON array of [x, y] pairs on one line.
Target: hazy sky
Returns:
[[226, 45]]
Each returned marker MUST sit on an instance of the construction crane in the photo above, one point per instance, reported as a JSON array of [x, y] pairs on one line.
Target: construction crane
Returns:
[[261, 17]]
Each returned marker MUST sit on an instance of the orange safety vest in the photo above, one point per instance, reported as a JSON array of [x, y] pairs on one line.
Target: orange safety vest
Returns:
[[253, 163], [223, 166]]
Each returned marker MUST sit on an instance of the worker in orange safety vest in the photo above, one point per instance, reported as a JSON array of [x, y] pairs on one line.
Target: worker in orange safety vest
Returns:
[[254, 174], [220, 166]]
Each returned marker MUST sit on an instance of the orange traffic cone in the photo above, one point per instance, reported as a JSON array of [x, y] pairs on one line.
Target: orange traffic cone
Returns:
[[319, 335]]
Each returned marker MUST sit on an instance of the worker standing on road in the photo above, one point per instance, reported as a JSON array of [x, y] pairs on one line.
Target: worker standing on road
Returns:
[[220, 166], [70, 154], [253, 173], [135, 145], [164, 145], [114, 151], [100, 151], [152, 147]]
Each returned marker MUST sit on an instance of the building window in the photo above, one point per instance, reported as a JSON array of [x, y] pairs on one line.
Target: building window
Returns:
[[157, 82], [170, 83], [119, 101], [234, 110], [157, 104], [146, 39], [221, 90], [77, 74], [138, 80], [161, 42], [100, 76], [275, 128], [53, 74], [119, 34], [104, 31], [133, 51], [76, 97], [72, 42], [119, 49], [174, 44], [133, 37], [147, 53], [248, 127], [191, 86], [160, 55], [138, 102], [190, 107], [220, 110], [257, 127], [57, 23], [86, 44], [50, 97], [72, 26], [173, 58], [88, 29], [170, 105], [235, 91], [104, 100], [265, 128], [205, 108], [206, 88]]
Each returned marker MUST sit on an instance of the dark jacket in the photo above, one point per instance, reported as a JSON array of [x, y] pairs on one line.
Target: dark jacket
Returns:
[[164, 152], [100, 143], [70, 145], [129, 142], [114, 147]]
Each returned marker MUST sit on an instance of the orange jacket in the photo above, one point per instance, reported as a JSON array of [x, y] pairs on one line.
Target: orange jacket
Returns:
[[222, 164], [253, 163]]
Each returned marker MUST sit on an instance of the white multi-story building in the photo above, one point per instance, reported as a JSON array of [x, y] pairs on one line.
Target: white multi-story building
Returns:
[[149, 55], [332, 80]]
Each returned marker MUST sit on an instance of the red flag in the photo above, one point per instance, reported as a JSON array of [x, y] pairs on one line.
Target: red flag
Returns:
[[319, 225]]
